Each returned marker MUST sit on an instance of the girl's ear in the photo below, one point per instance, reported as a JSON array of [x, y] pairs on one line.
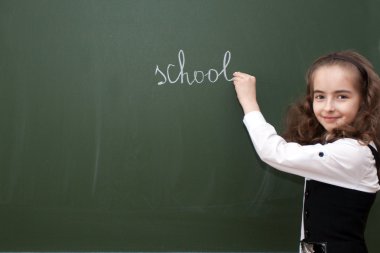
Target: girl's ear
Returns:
[[363, 106], [365, 101]]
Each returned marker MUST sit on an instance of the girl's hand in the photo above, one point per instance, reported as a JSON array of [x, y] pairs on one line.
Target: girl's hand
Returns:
[[245, 87]]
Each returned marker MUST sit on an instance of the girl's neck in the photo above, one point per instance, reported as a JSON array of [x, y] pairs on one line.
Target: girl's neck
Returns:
[[328, 137]]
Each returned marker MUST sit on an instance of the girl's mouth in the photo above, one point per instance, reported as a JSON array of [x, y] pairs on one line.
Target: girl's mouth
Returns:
[[330, 119]]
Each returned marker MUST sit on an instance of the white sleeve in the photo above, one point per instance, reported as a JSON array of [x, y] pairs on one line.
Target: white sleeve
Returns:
[[344, 163]]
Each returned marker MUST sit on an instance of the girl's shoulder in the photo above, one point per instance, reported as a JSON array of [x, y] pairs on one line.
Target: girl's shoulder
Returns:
[[352, 143], [349, 144], [350, 164], [350, 149]]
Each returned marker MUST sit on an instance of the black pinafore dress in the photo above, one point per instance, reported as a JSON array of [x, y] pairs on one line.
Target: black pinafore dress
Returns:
[[335, 217]]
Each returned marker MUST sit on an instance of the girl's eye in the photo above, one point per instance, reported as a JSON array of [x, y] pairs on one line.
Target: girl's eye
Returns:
[[342, 97], [319, 97]]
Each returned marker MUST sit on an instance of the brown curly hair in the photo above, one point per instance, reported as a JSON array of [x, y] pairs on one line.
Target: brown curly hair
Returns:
[[303, 127]]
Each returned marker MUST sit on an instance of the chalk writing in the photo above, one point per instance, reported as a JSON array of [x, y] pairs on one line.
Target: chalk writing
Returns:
[[198, 76]]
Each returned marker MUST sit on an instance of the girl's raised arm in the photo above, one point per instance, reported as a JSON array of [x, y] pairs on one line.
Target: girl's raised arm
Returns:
[[245, 86]]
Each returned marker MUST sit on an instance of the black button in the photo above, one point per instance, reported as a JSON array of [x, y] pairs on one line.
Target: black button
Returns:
[[307, 214], [307, 233], [307, 193], [321, 154]]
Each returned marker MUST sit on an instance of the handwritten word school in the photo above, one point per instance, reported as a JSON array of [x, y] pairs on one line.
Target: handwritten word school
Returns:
[[177, 74]]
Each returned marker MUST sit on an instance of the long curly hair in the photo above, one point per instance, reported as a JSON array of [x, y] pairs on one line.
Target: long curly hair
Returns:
[[302, 126]]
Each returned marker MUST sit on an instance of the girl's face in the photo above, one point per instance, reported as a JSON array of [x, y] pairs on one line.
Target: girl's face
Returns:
[[336, 96]]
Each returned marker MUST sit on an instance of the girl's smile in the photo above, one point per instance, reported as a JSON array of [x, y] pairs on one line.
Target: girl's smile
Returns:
[[328, 119], [336, 98]]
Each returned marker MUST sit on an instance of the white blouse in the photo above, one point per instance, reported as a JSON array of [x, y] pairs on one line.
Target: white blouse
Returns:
[[345, 162]]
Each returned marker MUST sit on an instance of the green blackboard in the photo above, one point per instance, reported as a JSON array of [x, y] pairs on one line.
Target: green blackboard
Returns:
[[120, 129]]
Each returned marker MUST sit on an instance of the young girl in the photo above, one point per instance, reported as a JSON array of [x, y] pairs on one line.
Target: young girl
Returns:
[[330, 140]]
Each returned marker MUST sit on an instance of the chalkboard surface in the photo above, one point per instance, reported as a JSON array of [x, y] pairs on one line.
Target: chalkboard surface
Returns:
[[120, 129]]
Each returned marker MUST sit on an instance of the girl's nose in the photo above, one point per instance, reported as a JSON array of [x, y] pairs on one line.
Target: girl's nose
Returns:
[[329, 106]]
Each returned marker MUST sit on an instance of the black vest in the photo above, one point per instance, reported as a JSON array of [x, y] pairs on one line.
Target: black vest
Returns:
[[336, 216]]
